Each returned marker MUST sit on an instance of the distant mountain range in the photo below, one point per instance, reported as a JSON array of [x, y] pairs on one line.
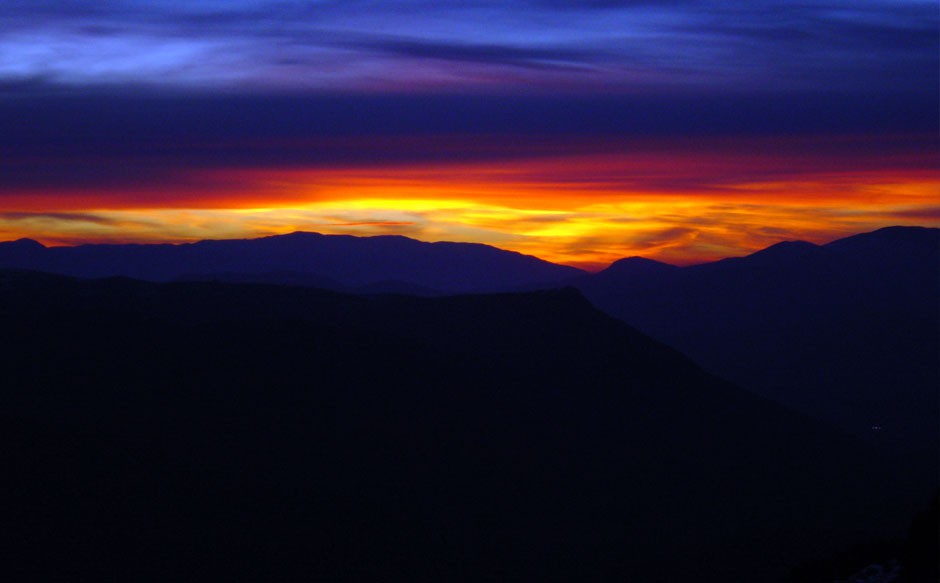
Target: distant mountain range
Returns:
[[197, 430], [339, 262], [848, 332]]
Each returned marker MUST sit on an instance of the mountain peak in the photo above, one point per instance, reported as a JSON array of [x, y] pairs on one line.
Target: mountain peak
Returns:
[[637, 262], [23, 244], [297, 235], [630, 267]]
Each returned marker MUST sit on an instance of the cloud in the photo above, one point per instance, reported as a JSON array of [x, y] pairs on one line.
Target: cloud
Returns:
[[146, 168], [332, 127], [623, 46], [538, 57], [749, 113], [665, 238], [920, 215], [57, 217]]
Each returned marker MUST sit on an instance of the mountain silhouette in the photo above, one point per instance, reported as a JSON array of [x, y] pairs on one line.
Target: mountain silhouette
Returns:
[[21, 250], [847, 331], [343, 261], [191, 430], [634, 271]]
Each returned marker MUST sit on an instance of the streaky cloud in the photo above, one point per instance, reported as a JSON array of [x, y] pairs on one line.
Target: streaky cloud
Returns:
[[59, 217], [624, 46]]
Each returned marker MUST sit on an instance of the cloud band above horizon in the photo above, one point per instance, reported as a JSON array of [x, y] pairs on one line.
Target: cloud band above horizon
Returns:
[[577, 131]]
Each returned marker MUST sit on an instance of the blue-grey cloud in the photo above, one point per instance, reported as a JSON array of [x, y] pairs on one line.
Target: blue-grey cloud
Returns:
[[523, 56], [115, 93], [614, 45]]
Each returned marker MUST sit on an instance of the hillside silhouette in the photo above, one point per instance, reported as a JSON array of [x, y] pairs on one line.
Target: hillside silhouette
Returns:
[[339, 262], [201, 429], [848, 332]]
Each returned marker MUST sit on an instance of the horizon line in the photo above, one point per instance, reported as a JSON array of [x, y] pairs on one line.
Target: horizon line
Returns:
[[598, 267]]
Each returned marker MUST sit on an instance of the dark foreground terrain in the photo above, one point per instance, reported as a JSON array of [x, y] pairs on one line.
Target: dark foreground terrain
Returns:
[[847, 332], [205, 430]]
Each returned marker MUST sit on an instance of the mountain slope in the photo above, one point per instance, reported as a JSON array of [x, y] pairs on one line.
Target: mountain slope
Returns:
[[350, 262], [303, 433], [847, 331]]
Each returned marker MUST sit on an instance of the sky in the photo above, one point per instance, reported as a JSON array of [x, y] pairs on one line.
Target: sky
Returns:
[[579, 131]]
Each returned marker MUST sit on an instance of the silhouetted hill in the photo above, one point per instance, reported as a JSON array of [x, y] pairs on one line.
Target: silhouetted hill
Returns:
[[634, 270], [847, 332], [348, 262], [21, 250], [204, 430]]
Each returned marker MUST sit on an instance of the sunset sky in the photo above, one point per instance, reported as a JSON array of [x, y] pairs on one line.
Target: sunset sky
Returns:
[[578, 131]]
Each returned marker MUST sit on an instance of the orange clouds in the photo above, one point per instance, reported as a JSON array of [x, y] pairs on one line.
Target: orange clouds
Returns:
[[582, 203]]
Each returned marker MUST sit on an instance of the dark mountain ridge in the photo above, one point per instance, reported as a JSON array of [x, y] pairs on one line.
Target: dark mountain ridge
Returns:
[[204, 429], [844, 331], [847, 331], [350, 262]]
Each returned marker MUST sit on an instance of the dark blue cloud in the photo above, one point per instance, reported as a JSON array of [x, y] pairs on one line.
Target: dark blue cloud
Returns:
[[523, 56], [92, 141], [155, 86]]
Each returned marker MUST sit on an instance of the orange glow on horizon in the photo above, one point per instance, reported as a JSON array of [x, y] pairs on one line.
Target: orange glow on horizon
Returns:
[[585, 209]]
